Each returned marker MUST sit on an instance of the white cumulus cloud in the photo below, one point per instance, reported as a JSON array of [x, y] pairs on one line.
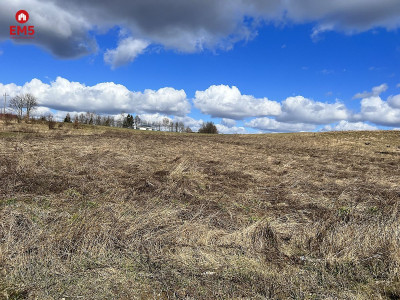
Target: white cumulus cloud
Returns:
[[230, 130], [293, 114], [349, 126], [302, 110], [228, 122], [157, 118], [378, 111], [106, 97], [128, 49], [272, 125], [228, 102], [376, 91], [394, 101]]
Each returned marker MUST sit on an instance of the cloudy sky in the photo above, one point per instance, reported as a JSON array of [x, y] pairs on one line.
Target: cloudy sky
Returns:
[[248, 65]]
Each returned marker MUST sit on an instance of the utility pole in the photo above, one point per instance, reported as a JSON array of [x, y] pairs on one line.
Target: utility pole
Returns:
[[5, 102]]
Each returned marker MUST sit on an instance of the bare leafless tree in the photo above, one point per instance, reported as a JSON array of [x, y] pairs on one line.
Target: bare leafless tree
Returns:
[[181, 126], [165, 123], [31, 103], [26, 102], [18, 104], [82, 118], [98, 120], [136, 122]]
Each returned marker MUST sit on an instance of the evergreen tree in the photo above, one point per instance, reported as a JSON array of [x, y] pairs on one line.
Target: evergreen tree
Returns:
[[125, 122], [129, 121], [67, 118]]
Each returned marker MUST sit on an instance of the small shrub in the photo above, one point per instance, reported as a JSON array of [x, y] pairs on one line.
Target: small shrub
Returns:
[[76, 123], [51, 123], [43, 119], [373, 209], [344, 213], [8, 118]]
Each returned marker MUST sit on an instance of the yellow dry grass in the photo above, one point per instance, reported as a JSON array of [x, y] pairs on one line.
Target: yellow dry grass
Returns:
[[99, 213]]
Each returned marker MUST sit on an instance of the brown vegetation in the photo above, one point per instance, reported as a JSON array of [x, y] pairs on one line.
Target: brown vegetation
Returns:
[[100, 213]]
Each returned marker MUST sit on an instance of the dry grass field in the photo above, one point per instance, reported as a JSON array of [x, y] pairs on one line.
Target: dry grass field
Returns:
[[98, 213]]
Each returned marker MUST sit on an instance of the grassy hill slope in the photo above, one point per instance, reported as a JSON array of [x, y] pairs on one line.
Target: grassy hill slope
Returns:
[[99, 213]]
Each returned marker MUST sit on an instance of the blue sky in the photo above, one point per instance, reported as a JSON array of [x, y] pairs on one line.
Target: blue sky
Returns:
[[278, 76]]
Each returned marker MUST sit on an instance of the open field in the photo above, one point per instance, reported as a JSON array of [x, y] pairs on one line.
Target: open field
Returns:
[[99, 213]]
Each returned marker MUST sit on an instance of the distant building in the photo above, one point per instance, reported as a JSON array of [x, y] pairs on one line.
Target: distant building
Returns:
[[146, 127]]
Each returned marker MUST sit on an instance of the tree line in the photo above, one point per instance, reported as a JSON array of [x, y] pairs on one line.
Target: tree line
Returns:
[[25, 104], [126, 121]]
